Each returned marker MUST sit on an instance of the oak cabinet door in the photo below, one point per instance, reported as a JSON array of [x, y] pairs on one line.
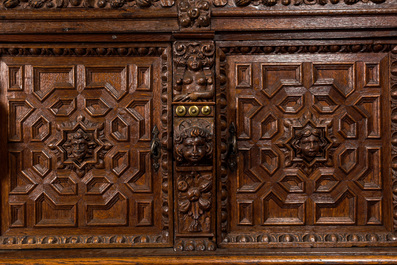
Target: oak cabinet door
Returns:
[[84, 147], [312, 153]]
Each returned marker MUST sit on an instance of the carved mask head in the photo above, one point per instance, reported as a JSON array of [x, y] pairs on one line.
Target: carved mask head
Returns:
[[79, 145], [193, 144], [309, 143], [194, 63]]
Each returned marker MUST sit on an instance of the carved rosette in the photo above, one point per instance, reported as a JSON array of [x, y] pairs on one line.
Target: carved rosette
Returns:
[[308, 142], [194, 14], [82, 146], [194, 201]]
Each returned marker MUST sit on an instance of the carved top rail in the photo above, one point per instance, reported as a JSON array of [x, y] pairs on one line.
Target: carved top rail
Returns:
[[81, 16]]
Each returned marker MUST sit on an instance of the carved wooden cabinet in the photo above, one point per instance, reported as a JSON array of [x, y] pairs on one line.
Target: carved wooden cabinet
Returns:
[[168, 128]]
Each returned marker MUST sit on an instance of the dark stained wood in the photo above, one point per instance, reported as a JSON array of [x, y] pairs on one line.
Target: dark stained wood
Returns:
[[198, 131]]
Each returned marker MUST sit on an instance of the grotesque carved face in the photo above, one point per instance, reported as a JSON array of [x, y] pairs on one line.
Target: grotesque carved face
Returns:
[[194, 149], [194, 63], [310, 146], [79, 146], [193, 145]]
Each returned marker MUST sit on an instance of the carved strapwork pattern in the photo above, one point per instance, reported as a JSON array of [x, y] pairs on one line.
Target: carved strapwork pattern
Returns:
[[310, 149], [87, 150], [194, 143], [393, 87], [97, 4]]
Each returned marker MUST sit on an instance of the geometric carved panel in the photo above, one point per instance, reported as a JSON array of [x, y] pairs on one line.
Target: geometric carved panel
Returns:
[[245, 212], [47, 79], [140, 110], [142, 78], [275, 76], [113, 79], [278, 211], [18, 214], [19, 110], [41, 129], [15, 78], [248, 107], [243, 75], [79, 132], [114, 211], [341, 76], [50, 214], [370, 177], [311, 150], [144, 212], [369, 107], [341, 210]]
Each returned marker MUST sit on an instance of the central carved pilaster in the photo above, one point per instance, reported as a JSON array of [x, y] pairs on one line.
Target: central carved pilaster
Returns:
[[194, 110]]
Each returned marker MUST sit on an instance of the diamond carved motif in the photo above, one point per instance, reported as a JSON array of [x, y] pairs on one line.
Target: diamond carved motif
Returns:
[[41, 129], [293, 181], [291, 104], [96, 107], [41, 163], [324, 180], [64, 185], [269, 160], [269, 126], [63, 107], [97, 185], [119, 129], [348, 159], [324, 104], [348, 126], [82, 146]]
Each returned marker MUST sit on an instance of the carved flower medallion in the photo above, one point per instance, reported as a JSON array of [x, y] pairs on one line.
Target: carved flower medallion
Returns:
[[194, 199]]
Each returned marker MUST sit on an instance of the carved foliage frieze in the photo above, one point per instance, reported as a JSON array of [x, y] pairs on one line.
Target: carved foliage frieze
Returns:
[[242, 3], [99, 4]]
